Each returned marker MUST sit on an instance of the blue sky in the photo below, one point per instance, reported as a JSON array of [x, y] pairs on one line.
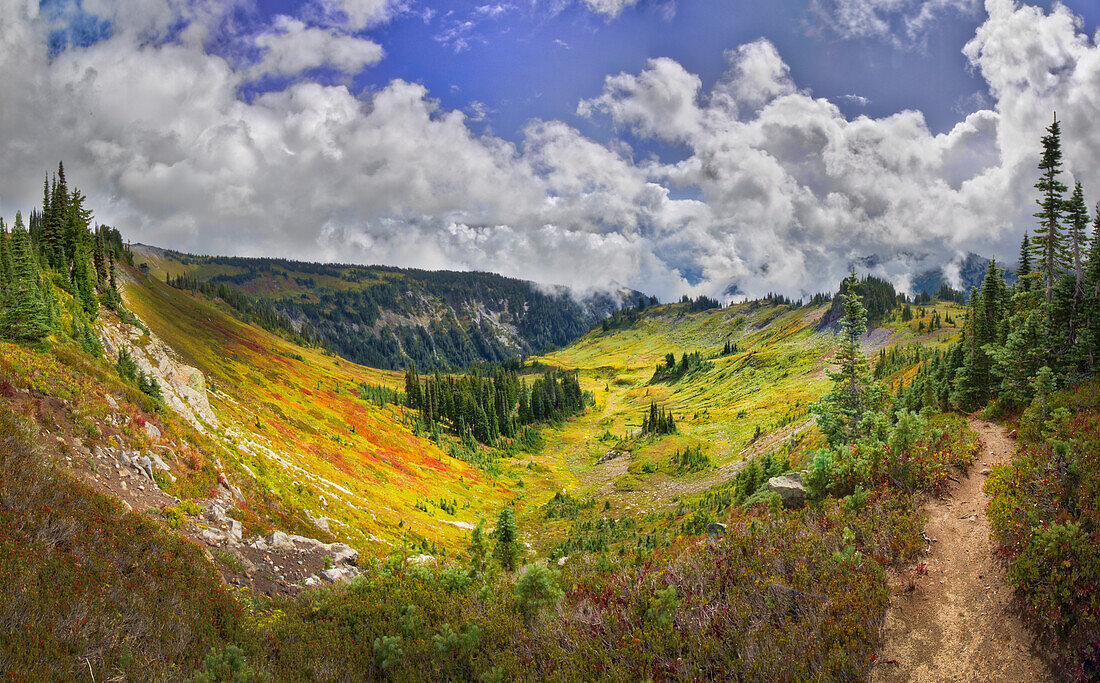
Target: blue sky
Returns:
[[672, 146], [532, 62]]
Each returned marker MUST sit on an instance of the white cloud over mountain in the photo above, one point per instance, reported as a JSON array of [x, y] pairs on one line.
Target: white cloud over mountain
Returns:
[[776, 191]]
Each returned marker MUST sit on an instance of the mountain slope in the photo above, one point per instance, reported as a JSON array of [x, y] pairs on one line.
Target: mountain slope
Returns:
[[389, 317], [299, 421]]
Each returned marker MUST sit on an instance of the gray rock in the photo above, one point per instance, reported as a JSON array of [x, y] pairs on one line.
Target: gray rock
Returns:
[[152, 431], [340, 574], [157, 462], [610, 455], [212, 536], [342, 553], [790, 491], [236, 532], [281, 541], [321, 522], [421, 560], [216, 512], [716, 530], [308, 542]]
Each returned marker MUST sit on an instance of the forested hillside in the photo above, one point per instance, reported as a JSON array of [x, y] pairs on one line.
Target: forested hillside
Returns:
[[389, 317]]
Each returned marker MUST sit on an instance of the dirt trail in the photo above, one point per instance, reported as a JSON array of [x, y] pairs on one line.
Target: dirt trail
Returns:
[[956, 621]]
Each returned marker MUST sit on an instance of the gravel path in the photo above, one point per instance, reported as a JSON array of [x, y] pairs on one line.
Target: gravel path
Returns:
[[955, 621]]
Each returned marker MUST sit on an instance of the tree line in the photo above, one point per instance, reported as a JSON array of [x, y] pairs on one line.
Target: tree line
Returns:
[[1042, 330], [60, 246], [491, 403]]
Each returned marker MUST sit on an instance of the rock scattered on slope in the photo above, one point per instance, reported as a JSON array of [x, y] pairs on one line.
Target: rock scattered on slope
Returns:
[[790, 489]]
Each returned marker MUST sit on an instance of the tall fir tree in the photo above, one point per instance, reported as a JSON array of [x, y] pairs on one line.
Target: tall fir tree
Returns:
[[5, 257], [1023, 265], [1077, 222], [840, 410], [56, 222], [1089, 338], [984, 327], [1048, 234], [27, 318]]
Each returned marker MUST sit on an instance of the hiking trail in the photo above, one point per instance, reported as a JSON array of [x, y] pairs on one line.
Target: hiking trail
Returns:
[[955, 620]]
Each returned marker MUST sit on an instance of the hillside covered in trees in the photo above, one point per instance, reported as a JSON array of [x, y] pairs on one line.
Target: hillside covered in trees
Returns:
[[389, 317]]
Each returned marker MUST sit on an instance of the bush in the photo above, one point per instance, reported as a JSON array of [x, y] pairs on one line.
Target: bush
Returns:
[[225, 666], [1045, 512], [697, 523], [537, 587]]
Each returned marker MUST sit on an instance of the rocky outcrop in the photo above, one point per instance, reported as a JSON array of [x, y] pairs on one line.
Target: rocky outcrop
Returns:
[[610, 455], [144, 464], [183, 386], [790, 489]]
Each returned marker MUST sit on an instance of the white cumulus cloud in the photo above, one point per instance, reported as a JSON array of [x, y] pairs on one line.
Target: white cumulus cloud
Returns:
[[292, 47], [776, 190]]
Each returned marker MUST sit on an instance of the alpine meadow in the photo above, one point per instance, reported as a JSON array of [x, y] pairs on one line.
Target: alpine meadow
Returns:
[[625, 340]]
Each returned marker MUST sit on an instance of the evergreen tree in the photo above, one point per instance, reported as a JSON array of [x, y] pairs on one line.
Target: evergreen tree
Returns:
[[840, 410], [27, 317], [1089, 339], [78, 251], [54, 230], [1048, 234], [1023, 267], [506, 549], [1077, 221], [974, 380], [477, 548], [83, 279], [5, 259]]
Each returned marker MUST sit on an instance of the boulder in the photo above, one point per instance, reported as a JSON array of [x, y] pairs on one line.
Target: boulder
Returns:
[[313, 543], [790, 490], [235, 533], [421, 560], [716, 530], [156, 460], [342, 553], [339, 574], [212, 536], [281, 541], [152, 431], [610, 455]]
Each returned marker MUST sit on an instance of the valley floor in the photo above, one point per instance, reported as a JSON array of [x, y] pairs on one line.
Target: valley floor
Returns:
[[955, 621]]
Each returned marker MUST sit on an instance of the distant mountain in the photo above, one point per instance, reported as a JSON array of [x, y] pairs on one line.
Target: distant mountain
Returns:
[[971, 272], [388, 317]]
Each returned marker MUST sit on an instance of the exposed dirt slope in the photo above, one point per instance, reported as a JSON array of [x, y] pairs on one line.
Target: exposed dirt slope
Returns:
[[954, 621]]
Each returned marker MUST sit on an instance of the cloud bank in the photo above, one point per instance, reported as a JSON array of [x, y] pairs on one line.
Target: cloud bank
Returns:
[[776, 190]]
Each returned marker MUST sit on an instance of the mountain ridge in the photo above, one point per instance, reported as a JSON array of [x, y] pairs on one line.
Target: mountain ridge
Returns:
[[388, 317]]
